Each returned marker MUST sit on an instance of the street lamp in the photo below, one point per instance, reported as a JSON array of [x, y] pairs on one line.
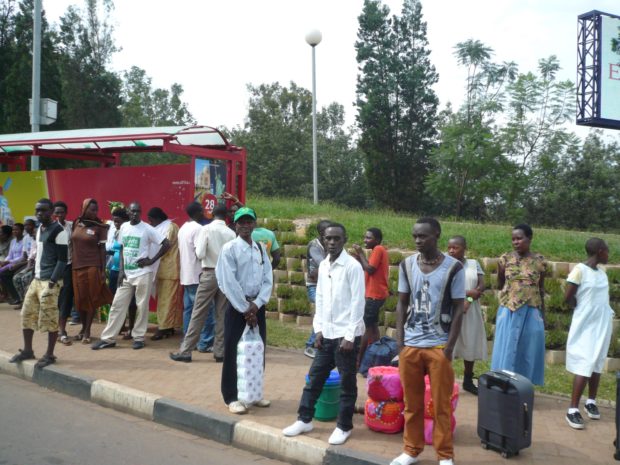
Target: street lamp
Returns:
[[314, 38]]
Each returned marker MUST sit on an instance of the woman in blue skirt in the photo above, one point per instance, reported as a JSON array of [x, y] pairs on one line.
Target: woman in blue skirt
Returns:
[[519, 330]]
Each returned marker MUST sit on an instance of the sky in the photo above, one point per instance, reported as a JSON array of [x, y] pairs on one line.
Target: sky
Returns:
[[215, 48]]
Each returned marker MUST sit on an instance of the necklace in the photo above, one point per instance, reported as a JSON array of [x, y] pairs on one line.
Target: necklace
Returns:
[[429, 263]]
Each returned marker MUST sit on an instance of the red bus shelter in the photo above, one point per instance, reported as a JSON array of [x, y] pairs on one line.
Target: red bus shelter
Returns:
[[214, 166]]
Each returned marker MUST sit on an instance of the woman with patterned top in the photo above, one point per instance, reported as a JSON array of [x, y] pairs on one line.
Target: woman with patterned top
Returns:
[[520, 331]]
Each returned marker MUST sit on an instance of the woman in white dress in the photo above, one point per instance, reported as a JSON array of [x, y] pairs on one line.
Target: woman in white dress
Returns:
[[472, 342], [590, 331]]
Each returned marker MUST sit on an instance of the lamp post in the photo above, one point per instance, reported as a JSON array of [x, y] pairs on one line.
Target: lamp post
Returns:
[[314, 38], [36, 76]]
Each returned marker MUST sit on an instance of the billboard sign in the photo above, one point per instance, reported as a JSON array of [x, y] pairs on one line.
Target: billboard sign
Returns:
[[610, 67], [598, 70]]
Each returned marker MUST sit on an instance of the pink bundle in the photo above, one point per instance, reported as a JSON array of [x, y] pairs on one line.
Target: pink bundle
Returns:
[[429, 410], [383, 384]]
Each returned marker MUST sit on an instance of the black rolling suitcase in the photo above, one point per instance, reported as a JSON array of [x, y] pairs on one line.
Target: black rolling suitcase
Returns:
[[505, 407]]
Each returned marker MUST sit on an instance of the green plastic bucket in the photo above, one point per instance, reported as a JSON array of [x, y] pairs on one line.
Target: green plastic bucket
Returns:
[[328, 403]]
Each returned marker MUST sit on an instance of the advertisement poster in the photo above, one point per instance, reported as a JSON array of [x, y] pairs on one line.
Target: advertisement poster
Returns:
[[167, 187], [19, 192], [209, 182], [610, 68]]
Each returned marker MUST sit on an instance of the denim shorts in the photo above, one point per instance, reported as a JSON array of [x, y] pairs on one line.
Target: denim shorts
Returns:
[[371, 311]]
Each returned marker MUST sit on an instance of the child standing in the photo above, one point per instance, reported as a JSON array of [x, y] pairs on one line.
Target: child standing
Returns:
[[590, 331]]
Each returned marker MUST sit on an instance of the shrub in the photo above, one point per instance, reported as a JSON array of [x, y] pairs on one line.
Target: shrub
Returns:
[[284, 291], [285, 225], [390, 303], [490, 281], [294, 264], [271, 224], [613, 275], [295, 306], [555, 303], [556, 339], [390, 319], [489, 299], [395, 257], [286, 237], [272, 305], [282, 279], [281, 265], [557, 321], [297, 277], [614, 346], [299, 293], [553, 285], [616, 308], [490, 330], [297, 252], [492, 313], [614, 291], [490, 268]]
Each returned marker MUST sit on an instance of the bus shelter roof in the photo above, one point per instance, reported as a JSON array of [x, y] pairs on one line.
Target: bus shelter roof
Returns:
[[112, 140]]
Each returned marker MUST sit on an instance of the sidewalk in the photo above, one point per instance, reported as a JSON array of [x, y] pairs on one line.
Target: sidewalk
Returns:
[[198, 384]]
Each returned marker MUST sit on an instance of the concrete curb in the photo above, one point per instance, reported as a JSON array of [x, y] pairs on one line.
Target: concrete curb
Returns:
[[270, 441], [22, 370], [123, 398], [244, 434], [60, 380], [194, 420]]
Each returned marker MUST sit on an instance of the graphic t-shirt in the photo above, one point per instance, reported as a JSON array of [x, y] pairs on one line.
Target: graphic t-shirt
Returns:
[[377, 283], [267, 238], [431, 297], [136, 240]]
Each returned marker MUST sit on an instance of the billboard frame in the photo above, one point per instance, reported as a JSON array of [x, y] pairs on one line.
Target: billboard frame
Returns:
[[589, 73]]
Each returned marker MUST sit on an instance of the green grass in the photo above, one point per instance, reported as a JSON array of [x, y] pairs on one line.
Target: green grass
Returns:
[[485, 240], [286, 335], [557, 379]]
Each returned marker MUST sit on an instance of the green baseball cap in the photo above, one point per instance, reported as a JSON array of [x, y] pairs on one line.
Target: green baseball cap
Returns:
[[244, 211]]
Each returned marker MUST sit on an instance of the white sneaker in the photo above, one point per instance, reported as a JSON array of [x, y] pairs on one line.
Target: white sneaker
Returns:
[[404, 459], [237, 408], [263, 403], [297, 428], [339, 437], [446, 462]]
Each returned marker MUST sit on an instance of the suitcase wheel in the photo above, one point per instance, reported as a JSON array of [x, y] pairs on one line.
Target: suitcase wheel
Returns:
[[484, 445]]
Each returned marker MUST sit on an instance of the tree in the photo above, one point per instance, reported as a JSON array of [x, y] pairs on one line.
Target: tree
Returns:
[[16, 64], [91, 93], [468, 166], [144, 106], [397, 108]]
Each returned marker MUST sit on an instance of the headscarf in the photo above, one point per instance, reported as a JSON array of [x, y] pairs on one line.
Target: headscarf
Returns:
[[87, 221]]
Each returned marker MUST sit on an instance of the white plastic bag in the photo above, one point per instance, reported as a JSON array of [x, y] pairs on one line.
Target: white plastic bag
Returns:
[[250, 354]]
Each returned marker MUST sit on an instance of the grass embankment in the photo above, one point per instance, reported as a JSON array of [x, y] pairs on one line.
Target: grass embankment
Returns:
[[557, 379], [484, 240]]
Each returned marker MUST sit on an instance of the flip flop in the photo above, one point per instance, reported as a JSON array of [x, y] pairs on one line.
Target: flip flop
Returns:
[[64, 339]]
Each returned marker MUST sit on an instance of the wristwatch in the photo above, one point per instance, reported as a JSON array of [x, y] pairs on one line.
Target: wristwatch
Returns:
[[470, 299]]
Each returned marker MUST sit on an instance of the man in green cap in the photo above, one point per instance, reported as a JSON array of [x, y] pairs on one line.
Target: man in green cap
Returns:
[[244, 275]]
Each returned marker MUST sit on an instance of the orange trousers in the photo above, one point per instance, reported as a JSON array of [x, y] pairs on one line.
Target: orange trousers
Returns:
[[414, 363]]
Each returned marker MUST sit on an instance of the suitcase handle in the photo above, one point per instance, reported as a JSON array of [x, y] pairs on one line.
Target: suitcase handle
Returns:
[[500, 380]]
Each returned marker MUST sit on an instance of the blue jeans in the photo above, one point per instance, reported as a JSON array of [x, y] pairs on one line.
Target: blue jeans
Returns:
[[207, 335], [311, 298]]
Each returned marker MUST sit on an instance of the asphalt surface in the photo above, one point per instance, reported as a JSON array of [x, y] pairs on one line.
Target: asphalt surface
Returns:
[[40, 427]]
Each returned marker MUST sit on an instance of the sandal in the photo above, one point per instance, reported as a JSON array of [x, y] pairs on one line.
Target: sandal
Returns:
[[64, 339], [127, 336], [79, 337], [44, 361], [86, 340], [21, 356]]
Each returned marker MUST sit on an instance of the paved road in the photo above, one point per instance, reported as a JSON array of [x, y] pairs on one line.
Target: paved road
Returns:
[[40, 427]]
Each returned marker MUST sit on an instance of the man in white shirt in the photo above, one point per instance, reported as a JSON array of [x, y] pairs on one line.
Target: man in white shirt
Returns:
[[209, 243], [135, 276], [339, 325], [191, 269], [65, 299], [245, 276]]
